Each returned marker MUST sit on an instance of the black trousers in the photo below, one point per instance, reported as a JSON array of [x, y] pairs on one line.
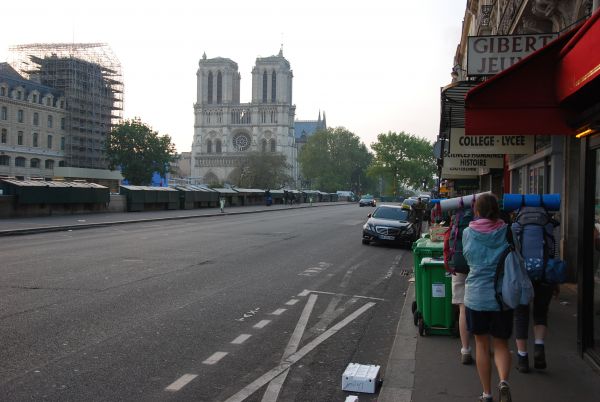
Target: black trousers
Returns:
[[541, 301]]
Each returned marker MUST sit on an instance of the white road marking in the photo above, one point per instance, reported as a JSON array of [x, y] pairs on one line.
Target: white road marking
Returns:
[[279, 311], [291, 302], [292, 359], [342, 294], [304, 293], [272, 392], [241, 339], [181, 382], [215, 358], [262, 324]]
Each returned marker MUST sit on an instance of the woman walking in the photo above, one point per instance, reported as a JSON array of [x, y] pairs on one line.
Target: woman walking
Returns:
[[483, 243]]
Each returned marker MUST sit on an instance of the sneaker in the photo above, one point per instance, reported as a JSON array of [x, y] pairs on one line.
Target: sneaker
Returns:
[[504, 390], [523, 363], [485, 399], [466, 358], [539, 357]]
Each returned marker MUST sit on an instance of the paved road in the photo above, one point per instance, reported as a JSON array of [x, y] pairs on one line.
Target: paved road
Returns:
[[207, 309]]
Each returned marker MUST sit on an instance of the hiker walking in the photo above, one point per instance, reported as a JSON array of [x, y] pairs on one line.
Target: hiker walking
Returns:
[[484, 242], [533, 231]]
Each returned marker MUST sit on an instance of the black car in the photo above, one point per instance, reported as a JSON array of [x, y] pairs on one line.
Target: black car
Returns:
[[390, 224], [367, 202]]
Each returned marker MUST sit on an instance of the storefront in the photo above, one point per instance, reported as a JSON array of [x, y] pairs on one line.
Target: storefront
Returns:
[[555, 92]]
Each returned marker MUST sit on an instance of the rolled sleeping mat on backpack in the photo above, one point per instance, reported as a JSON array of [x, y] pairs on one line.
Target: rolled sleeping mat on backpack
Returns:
[[515, 201], [455, 203]]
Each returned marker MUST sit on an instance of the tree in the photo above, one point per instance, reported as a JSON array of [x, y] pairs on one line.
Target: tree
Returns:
[[262, 170], [406, 160], [139, 151], [335, 159]]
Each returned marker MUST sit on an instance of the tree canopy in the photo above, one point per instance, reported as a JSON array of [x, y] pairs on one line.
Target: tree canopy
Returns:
[[139, 151], [335, 159], [262, 170], [406, 160]]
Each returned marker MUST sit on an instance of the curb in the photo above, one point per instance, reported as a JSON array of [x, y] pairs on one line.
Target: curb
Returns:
[[62, 228], [399, 375]]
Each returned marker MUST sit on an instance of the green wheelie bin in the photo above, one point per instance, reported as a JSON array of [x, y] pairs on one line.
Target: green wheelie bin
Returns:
[[433, 287], [422, 248]]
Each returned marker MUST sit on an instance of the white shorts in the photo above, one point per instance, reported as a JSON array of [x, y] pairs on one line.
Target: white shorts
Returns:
[[458, 288]]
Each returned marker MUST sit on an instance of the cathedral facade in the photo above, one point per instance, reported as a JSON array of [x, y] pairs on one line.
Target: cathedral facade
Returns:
[[225, 130]]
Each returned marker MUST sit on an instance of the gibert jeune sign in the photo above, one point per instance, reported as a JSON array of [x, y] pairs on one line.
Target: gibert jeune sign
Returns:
[[488, 55]]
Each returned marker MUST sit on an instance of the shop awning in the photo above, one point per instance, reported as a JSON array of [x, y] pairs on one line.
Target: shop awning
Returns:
[[528, 97]]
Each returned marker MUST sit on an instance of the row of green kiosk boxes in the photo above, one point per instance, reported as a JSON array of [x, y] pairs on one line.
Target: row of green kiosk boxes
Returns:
[[432, 310]]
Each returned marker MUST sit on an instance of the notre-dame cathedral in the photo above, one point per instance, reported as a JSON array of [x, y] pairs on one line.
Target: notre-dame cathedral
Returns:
[[225, 129]]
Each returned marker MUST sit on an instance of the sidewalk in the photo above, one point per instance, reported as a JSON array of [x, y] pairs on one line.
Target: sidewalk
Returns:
[[436, 374], [55, 223]]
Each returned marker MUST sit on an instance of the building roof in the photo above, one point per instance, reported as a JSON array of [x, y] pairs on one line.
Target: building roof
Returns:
[[9, 75]]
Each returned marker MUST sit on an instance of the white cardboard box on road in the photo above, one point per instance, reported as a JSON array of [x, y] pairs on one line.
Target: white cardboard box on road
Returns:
[[360, 378]]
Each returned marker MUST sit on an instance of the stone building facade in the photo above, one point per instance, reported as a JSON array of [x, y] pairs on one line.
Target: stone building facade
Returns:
[[225, 130], [32, 127]]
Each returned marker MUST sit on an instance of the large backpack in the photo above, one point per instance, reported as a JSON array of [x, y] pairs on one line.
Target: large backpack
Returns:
[[533, 229], [453, 247]]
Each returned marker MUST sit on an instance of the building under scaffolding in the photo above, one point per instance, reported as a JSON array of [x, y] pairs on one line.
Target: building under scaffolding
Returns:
[[90, 76]]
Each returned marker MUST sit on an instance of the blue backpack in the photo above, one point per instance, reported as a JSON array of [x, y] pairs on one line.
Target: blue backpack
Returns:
[[453, 252], [533, 230], [512, 283]]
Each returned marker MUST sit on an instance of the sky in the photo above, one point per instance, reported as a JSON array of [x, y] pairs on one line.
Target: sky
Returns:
[[371, 66]]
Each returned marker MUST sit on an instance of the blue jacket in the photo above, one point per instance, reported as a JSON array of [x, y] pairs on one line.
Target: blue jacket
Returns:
[[482, 252]]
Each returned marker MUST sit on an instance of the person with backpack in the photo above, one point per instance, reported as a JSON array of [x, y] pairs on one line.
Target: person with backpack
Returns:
[[456, 264], [484, 243], [533, 230]]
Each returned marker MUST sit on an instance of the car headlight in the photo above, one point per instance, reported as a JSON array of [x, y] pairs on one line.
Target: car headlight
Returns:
[[369, 226]]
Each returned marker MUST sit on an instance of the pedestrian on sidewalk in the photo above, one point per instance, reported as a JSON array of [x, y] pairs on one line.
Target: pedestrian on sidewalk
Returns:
[[484, 241], [222, 204]]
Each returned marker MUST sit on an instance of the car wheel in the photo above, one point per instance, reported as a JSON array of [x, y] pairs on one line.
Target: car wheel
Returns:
[[365, 241]]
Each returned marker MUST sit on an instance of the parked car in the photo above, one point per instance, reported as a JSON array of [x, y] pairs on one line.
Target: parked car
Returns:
[[367, 201], [390, 224]]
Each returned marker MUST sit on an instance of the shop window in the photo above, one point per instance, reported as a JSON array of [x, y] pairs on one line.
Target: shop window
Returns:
[[36, 119], [20, 161], [4, 115], [20, 138], [4, 136], [49, 141], [4, 160], [35, 163], [537, 179], [35, 141], [49, 164]]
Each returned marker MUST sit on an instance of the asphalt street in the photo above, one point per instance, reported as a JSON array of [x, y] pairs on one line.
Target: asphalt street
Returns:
[[256, 307]]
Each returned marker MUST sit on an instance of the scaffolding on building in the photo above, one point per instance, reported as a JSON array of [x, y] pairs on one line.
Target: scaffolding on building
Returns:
[[90, 76]]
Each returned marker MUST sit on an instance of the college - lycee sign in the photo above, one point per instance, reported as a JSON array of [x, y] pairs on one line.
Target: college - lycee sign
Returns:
[[488, 55], [490, 144]]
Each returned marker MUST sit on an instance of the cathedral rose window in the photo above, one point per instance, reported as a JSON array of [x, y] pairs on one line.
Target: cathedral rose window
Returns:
[[241, 142]]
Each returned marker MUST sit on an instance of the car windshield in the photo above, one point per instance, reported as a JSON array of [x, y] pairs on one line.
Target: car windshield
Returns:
[[410, 201], [396, 214]]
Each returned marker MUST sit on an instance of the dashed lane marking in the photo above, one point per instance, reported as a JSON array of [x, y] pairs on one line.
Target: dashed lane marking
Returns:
[[342, 294], [215, 358], [181, 382], [241, 339], [291, 302], [305, 292], [279, 311], [262, 324]]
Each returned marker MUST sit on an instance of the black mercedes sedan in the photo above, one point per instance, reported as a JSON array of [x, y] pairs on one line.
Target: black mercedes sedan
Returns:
[[392, 224]]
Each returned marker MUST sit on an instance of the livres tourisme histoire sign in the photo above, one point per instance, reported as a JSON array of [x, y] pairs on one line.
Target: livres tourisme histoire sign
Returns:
[[490, 144], [488, 55]]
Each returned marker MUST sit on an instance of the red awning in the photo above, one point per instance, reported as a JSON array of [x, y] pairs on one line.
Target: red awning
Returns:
[[526, 98]]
